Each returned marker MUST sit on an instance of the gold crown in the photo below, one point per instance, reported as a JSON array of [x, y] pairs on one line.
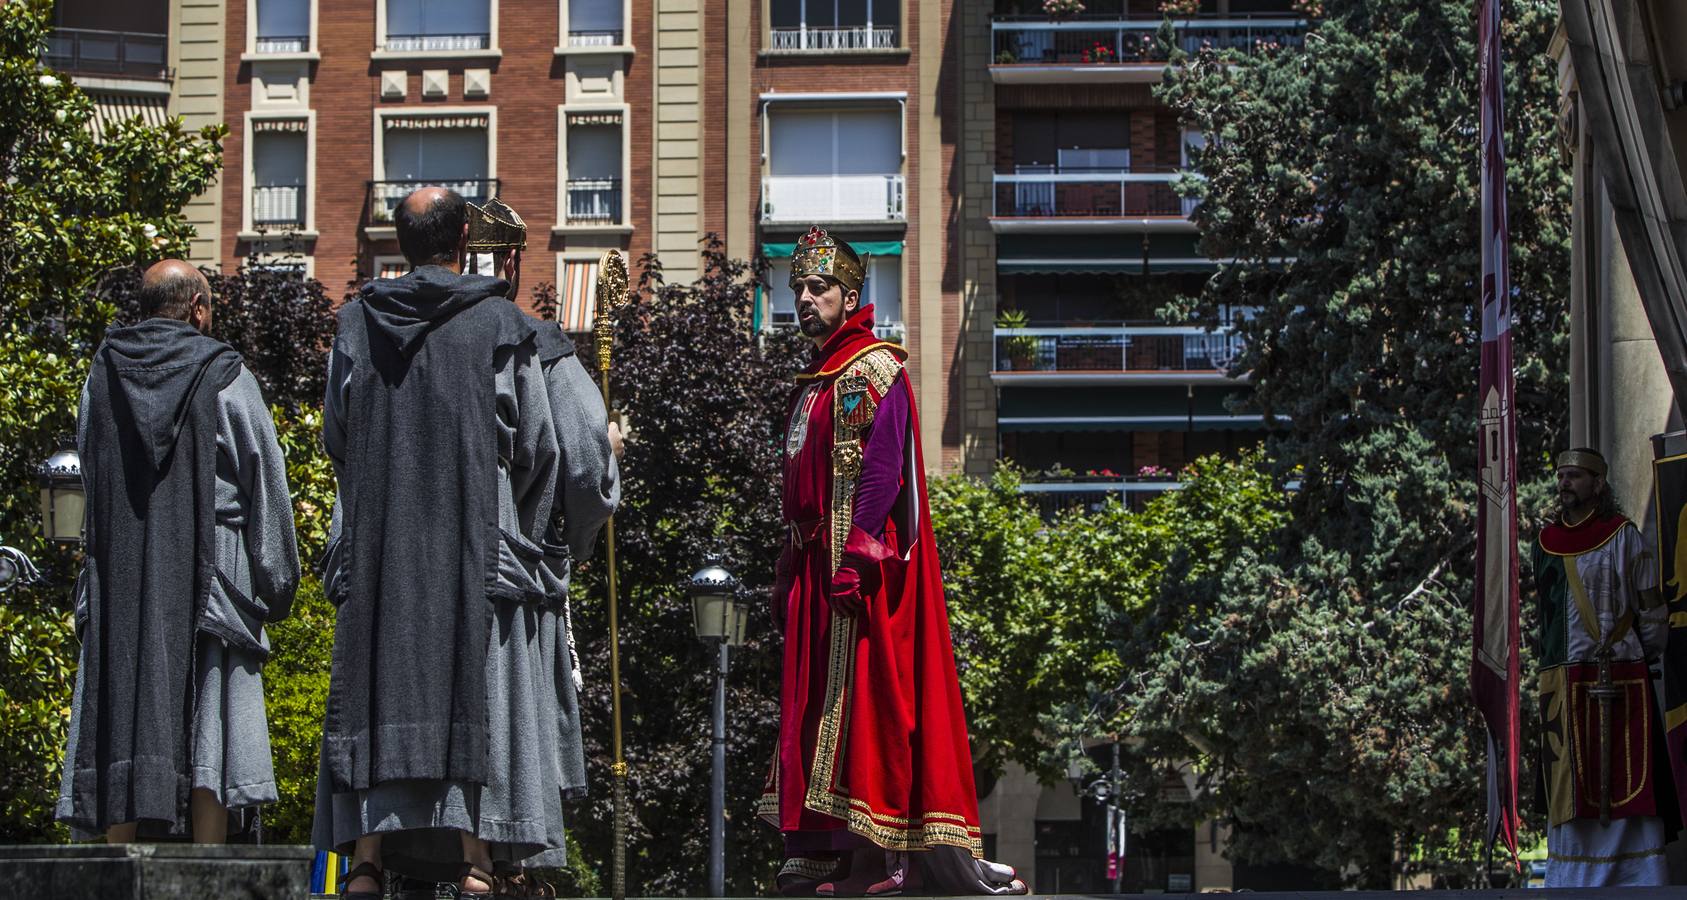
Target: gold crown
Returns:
[[818, 253], [495, 227], [1584, 459]]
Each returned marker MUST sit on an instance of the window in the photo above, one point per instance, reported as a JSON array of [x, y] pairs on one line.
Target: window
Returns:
[[594, 166], [450, 150], [280, 161], [595, 23], [283, 26], [435, 25], [882, 289], [834, 166], [799, 25]]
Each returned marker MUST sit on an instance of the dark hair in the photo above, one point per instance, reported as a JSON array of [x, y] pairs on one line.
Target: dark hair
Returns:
[[168, 296], [1605, 499], [432, 236]]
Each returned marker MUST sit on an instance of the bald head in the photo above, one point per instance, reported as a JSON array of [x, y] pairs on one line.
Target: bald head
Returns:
[[431, 225], [174, 289]]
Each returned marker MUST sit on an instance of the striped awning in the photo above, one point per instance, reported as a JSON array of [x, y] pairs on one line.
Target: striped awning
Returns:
[[577, 304], [110, 108], [393, 269]]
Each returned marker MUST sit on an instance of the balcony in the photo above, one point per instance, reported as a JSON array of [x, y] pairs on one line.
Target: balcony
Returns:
[[278, 206], [286, 43], [1033, 49], [838, 39], [1092, 195], [605, 38], [436, 43], [1055, 497], [384, 196], [830, 199], [115, 54], [1093, 355], [594, 201]]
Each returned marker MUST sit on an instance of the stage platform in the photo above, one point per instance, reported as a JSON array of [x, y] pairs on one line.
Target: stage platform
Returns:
[[154, 872]]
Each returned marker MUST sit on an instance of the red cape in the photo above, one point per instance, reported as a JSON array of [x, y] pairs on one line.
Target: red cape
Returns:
[[1590, 533], [872, 736]]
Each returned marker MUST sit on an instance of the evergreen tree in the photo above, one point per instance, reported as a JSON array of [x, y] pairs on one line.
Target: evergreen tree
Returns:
[[1319, 684]]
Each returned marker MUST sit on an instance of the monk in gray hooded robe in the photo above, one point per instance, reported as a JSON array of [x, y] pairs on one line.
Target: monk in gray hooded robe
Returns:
[[445, 735], [190, 551]]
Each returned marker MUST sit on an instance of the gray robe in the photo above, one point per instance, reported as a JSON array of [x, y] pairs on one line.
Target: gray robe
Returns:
[[255, 545], [535, 757]]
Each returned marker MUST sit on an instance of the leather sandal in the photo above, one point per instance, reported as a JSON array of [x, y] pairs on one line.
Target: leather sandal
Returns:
[[470, 870], [515, 883], [363, 870]]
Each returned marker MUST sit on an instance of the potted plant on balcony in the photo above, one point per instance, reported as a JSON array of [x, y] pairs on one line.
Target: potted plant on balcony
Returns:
[[1179, 8], [1100, 54], [1020, 349], [1062, 9]]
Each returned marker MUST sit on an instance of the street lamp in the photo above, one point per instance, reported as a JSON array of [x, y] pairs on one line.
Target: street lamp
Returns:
[[718, 617], [1107, 790], [60, 477]]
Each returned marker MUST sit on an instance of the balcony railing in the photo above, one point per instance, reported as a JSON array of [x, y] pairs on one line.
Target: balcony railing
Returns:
[[594, 38], [1154, 348], [1084, 194], [1036, 41], [413, 43], [282, 43], [842, 37], [1055, 497], [594, 201], [278, 204], [384, 196], [126, 54], [895, 332], [832, 198]]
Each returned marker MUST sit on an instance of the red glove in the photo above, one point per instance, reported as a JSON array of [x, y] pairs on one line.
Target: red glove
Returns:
[[845, 593]]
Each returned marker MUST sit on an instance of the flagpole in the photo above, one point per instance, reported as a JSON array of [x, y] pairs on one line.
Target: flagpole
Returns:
[[1495, 670], [611, 294]]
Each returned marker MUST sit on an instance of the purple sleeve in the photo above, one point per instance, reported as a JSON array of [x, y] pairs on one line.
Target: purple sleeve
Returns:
[[881, 461]]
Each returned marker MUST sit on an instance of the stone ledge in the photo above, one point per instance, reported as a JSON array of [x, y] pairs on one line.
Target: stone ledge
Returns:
[[155, 871]]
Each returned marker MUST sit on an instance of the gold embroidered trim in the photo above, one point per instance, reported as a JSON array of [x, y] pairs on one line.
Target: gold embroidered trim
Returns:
[[1620, 857], [807, 867], [828, 746], [886, 346], [881, 367]]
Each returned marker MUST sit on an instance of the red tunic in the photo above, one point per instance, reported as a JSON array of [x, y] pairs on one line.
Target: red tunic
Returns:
[[872, 736]]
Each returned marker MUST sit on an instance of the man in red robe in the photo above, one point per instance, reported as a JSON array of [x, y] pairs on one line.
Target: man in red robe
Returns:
[[872, 760]]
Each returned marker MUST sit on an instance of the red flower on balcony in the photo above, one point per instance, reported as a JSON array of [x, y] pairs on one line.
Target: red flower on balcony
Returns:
[[1100, 53]]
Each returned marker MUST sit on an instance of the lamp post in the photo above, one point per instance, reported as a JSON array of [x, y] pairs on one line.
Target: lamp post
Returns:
[[719, 618], [1107, 790], [60, 477]]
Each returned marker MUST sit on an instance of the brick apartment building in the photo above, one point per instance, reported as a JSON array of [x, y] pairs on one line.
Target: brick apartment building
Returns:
[[1008, 173]]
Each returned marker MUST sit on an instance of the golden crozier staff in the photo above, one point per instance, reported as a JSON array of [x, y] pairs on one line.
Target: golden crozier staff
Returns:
[[611, 295]]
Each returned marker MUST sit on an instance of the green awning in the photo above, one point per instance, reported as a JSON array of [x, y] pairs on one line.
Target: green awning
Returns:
[[1156, 408], [865, 248]]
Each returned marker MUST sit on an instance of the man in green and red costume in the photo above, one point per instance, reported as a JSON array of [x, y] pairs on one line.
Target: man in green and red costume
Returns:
[[1611, 800], [872, 761]]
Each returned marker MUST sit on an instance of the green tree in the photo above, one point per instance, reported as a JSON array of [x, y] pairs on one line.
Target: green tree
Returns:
[[1320, 683], [76, 204]]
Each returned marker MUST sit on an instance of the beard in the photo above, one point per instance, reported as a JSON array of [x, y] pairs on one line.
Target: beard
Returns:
[[811, 323]]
